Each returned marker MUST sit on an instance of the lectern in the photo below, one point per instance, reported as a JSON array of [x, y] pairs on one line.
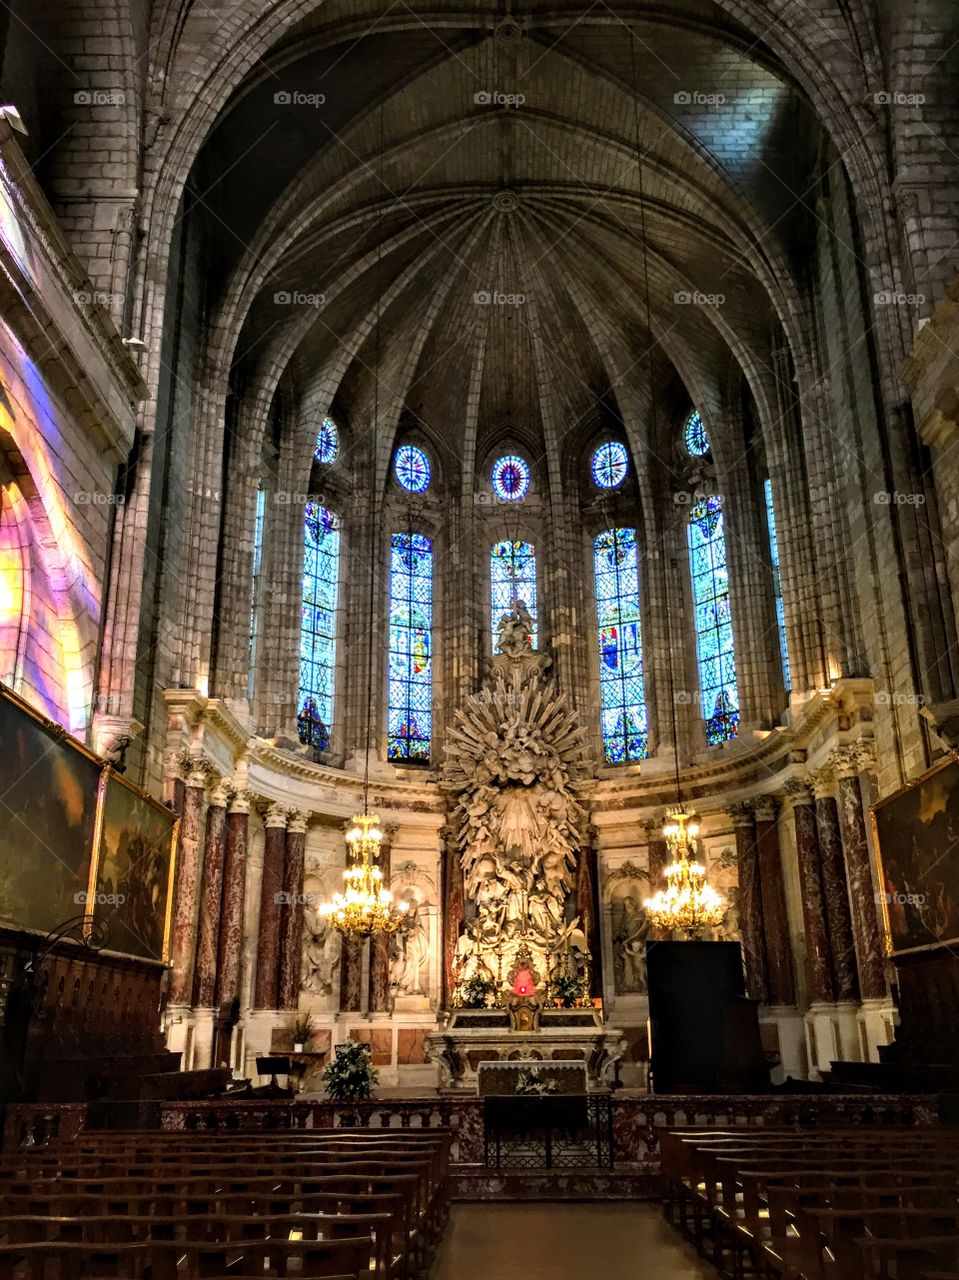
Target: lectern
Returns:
[[704, 1032]]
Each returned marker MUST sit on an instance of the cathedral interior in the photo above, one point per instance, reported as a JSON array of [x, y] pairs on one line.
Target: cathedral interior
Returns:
[[507, 455]]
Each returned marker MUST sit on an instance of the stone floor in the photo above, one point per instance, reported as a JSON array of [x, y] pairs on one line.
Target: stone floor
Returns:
[[564, 1242]]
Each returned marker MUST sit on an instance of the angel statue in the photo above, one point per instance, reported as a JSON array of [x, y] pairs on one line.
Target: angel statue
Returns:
[[515, 630]]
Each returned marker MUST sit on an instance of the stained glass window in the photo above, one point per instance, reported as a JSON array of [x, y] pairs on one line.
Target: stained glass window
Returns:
[[510, 478], [321, 571], [255, 587], [610, 464], [777, 582], [714, 628], [621, 688], [327, 441], [411, 467], [696, 439], [512, 577], [409, 712]]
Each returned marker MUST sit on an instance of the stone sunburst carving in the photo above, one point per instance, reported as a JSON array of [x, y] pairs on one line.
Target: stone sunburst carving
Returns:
[[516, 760]]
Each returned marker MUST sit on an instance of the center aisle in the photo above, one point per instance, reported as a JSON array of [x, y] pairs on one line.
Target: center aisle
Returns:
[[564, 1242]]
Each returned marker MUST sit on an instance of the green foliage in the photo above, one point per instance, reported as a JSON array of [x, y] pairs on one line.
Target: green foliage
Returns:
[[350, 1075], [568, 988], [476, 993]]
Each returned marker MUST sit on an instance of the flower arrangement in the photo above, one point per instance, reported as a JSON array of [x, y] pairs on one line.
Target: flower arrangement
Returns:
[[476, 993], [532, 1084], [567, 989], [349, 1076]]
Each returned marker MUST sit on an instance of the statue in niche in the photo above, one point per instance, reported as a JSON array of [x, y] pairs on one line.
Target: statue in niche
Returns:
[[411, 949], [515, 630], [630, 929], [321, 953], [515, 764]]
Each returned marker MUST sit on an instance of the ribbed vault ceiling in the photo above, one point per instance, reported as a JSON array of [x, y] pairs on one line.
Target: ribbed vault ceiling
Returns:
[[415, 187]]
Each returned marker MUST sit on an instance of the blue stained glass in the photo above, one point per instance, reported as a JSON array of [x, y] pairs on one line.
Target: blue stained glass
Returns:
[[777, 583], [695, 437], [321, 573], [714, 632], [610, 465], [327, 441], [411, 467], [512, 577], [621, 684], [510, 478], [409, 701]]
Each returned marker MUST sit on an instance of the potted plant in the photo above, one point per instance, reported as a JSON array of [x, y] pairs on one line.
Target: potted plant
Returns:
[[350, 1075], [300, 1027]]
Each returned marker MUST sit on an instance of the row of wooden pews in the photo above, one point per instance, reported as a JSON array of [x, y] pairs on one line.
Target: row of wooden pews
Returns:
[[854, 1203], [153, 1205]]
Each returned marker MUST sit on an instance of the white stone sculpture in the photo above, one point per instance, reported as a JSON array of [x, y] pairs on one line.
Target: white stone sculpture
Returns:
[[410, 954], [515, 630]]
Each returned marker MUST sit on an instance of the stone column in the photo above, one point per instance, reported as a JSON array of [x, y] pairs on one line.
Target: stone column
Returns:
[[211, 894], [266, 987], [862, 891], [835, 890], [380, 945], [291, 912], [818, 951], [186, 892], [780, 974], [231, 914], [750, 900]]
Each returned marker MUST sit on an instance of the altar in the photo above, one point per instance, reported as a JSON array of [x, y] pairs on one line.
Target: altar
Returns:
[[567, 1042]]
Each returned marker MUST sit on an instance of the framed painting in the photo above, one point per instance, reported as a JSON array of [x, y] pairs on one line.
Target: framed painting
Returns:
[[48, 819], [133, 876], [917, 839]]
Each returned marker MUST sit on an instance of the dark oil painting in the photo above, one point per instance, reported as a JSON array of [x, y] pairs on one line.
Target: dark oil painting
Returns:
[[917, 832], [134, 870], [48, 807]]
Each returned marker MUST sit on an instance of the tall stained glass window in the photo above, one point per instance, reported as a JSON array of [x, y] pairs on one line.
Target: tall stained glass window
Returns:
[[622, 693], [777, 582], [409, 703], [714, 628], [512, 577], [255, 586], [321, 572]]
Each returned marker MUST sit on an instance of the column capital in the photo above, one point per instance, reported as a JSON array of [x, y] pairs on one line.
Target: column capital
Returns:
[[741, 814], [799, 790], [196, 771], [823, 783], [765, 808], [241, 800], [297, 821], [653, 827], [274, 815], [220, 791], [852, 760]]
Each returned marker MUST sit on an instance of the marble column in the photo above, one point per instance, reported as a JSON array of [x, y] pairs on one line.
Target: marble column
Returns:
[[266, 986], [231, 914], [291, 912], [380, 946], [454, 912], [351, 967], [211, 896], [780, 974], [862, 891], [818, 951], [657, 856], [186, 892], [750, 901], [587, 908], [835, 890]]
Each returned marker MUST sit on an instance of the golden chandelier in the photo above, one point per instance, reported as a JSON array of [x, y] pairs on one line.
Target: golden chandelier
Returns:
[[687, 903], [365, 907]]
